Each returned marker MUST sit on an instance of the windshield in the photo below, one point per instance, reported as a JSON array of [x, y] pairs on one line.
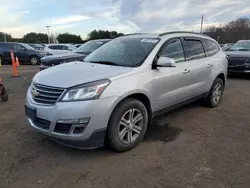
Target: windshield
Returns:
[[89, 47], [128, 52], [28, 46], [241, 46]]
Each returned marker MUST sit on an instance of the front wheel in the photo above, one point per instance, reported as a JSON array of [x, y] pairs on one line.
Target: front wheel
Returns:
[[215, 93], [34, 60], [127, 125]]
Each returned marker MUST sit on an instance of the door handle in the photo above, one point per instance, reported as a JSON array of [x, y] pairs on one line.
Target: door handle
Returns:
[[209, 65], [186, 71]]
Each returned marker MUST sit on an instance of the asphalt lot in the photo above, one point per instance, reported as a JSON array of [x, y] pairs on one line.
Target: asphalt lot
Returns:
[[196, 148]]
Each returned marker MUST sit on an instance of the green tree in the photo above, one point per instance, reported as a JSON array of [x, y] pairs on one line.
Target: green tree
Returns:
[[101, 34], [8, 37], [17, 40], [35, 38], [232, 32], [69, 38]]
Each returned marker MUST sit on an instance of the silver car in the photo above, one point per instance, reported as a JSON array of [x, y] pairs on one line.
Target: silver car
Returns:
[[114, 95]]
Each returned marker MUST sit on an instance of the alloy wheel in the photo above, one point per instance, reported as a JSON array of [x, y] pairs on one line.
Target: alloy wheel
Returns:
[[130, 126], [217, 93]]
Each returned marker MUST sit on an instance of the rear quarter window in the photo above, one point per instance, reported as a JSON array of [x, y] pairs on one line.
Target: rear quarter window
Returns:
[[210, 46]]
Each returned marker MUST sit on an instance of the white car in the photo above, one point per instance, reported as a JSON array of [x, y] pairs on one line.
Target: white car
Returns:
[[53, 49]]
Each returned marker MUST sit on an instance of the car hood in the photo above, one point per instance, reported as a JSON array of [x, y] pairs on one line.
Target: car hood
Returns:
[[76, 73], [62, 56], [238, 53]]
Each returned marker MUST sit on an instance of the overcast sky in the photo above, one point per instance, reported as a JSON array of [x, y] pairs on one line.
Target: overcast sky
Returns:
[[81, 16]]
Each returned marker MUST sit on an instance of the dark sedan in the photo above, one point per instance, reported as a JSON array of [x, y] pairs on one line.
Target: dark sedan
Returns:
[[77, 55], [24, 52], [239, 58]]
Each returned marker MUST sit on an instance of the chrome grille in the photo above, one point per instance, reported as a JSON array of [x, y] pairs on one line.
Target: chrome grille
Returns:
[[45, 94]]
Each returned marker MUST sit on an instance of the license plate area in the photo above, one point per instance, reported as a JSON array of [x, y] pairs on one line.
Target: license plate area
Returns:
[[30, 112]]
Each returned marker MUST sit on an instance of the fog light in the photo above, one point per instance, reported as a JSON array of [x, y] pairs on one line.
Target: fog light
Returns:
[[78, 130], [74, 121]]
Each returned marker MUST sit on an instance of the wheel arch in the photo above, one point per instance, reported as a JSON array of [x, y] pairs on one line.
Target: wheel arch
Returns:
[[140, 96]]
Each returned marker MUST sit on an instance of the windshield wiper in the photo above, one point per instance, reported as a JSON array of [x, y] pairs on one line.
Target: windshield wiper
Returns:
[[104, 62]]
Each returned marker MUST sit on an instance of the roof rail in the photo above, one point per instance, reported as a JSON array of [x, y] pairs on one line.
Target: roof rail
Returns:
[[134, 34], [173, 32]]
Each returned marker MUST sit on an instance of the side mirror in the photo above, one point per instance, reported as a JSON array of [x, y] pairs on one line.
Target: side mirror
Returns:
[[166, 62]]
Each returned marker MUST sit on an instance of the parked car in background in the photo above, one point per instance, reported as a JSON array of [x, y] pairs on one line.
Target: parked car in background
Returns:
[[53, 49], [227, 46], [122, 86], [36, 46], [239, 58], [77, 55], [24, 52]]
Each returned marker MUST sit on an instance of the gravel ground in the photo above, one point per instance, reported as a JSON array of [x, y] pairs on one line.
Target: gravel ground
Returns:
[[191, 147]]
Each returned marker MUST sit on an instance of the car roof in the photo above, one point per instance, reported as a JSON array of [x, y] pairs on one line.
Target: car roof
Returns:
[[58, 44], [166, 34], [101, 40]]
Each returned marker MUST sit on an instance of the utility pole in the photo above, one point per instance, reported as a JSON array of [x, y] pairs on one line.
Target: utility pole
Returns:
[[48, 33], [4, 37], [202, 17]]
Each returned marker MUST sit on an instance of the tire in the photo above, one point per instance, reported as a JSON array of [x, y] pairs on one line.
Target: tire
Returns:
[[215, 94], [4, 95], [34, 60], [117, 127], [1, 60]]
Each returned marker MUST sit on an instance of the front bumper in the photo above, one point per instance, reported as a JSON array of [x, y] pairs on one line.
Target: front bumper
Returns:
[[238, 70], [93, 135]]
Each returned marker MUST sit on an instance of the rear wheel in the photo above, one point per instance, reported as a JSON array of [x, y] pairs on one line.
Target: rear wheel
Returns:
[[34, 60], [215, 93], [127, 125]]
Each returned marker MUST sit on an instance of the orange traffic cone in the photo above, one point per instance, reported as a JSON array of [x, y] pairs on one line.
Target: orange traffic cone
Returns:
[[17, 62], [13, 65]]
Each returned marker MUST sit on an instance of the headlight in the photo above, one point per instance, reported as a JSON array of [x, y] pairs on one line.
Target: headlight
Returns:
[[87, 91]]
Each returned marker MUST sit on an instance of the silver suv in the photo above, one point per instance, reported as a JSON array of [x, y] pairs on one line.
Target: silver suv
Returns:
[[113, 96]]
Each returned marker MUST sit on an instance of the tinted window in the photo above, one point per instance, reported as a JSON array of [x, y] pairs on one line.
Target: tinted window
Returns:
[[129, 52], [65, 47], [211, 47], [56, 47], [173, 50], [18, 47], [89, 47], [194, 49]]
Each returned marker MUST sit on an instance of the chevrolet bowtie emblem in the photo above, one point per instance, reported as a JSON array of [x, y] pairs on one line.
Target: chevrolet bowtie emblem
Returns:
[[35, 93]]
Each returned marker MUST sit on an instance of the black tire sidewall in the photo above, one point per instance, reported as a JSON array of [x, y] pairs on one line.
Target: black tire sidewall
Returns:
[[5, 96], [112, 131], [1, 60], [210, 96]]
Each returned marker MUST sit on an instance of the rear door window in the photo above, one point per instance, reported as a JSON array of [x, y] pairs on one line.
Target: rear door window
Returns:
[[18, 47], [173, 49], [211, 47], [65, 48], [194, 49], [56, 47]]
